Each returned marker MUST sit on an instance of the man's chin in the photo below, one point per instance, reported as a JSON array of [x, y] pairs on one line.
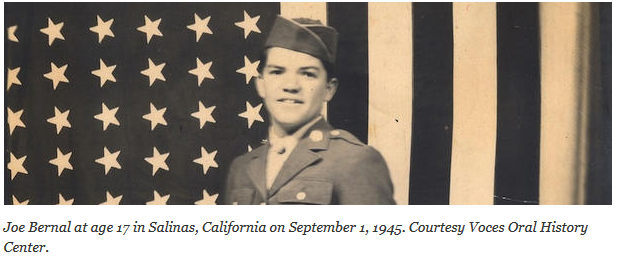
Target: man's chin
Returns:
[[290, 124]]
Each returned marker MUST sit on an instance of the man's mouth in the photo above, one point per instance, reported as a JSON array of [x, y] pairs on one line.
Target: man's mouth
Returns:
[[290, 101]]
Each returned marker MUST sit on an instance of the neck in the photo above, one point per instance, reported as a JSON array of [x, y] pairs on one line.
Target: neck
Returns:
[[282, 130]]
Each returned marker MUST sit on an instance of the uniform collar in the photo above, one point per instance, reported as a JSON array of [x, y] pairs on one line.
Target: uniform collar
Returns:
[[315, 138]]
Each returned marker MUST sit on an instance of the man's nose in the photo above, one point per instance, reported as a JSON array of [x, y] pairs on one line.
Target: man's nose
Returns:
[[292, 84]]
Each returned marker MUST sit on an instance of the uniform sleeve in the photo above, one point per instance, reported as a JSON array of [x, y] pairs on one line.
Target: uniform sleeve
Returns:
[[367, 180]]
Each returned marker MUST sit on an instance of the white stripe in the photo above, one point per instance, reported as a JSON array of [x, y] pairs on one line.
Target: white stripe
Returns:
[[474, 123], [565, 55], [390, 89], [316, 11]]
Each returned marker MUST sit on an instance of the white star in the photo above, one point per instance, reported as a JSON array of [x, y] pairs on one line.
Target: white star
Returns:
[[207, 160], [249, 70], [249, 24], [60, 119], [204, 115], [14, 119], [111, 200], [207, 199], [251, 114], [105, 72], [56, 75], [150, 28], [62, 201], [154, 71], [102, 28], [202, 71], [16, 202], [109, 160], [155, 116], [11, 78], [16, 165], [53, 31], [200, 27], [62, 161], [158, 200], [108, 116], [157, 160], [10, 32]]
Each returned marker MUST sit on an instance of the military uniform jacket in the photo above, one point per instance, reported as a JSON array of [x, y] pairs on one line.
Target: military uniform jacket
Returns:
[[326, 167]]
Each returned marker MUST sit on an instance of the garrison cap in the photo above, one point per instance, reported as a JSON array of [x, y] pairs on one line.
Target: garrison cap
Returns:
[[304, 35]]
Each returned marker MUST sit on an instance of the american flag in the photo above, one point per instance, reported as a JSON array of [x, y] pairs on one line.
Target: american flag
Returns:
[[469, 103]]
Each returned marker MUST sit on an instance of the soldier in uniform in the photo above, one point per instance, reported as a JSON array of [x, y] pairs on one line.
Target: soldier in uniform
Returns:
[[305, 161]]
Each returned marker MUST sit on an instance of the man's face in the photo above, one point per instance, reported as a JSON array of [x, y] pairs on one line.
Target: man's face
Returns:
[[294, 86]]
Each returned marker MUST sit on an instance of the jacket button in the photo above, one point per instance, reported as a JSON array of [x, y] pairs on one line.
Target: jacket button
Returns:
[[335, 132], [262, 203], [301, 195], [316, 136]]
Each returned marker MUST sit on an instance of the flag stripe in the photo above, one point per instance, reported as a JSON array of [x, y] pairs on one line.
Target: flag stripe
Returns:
[[390, 89], [474, 104], [599, 183], [518, 104], [349, 107], [564, 107], [432, 103]]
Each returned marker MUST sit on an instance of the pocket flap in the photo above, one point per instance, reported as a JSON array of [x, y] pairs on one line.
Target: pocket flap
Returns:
[[306, 192]]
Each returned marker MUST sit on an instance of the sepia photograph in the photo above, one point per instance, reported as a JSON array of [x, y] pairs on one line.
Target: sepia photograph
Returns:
[[308, 103]]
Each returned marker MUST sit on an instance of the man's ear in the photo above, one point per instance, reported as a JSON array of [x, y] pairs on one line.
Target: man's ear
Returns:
[[259, 85], [331, 88]]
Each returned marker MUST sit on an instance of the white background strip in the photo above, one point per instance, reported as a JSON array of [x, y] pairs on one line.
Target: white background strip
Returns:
[[390, 89], [474, 103], [564, 66]]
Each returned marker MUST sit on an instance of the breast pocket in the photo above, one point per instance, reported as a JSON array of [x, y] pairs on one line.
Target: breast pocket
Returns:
[[242, 196], [306, 192]]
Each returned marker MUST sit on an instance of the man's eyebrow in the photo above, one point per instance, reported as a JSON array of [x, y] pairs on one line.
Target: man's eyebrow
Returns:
[[309, 67], [274, 66]]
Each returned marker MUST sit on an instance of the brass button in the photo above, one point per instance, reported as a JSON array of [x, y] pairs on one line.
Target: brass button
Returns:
[[335, 132], [316, 136], [262, 203], [301, 195]]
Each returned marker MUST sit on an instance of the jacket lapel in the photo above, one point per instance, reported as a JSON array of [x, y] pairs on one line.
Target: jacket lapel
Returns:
[[302, 156], [297, 161], [257, 170]]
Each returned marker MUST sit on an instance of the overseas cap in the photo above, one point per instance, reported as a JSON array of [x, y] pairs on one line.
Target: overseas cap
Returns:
[[304, 35]]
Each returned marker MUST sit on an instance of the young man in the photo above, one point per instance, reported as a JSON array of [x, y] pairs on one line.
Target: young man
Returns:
[[305, 161]]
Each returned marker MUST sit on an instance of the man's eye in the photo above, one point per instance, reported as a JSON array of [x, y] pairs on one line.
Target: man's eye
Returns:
[[275, 72], [309, 74]]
